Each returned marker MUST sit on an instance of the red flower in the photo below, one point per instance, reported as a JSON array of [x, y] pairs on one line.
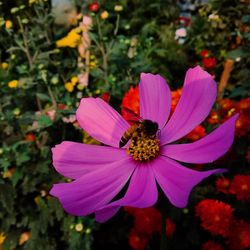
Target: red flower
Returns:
[[148, 220], [170, 227], [61, 106], [248, 154], [130, 210], [226, 105], [239, 237], [130, 101], [222, 185], [213, 118], [94, 7], [211, 245], [138, 240], [184, 20], [196, 133], [216, 216], [242, 125], [209, 62], [204, 53], [240, 186], [30, 137], [244, 106], [106, 97]]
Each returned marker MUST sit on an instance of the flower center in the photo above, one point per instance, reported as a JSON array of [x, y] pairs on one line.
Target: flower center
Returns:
[[144, 148]]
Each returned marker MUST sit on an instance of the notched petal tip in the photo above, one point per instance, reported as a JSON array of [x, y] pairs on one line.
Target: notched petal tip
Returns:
[[155, 98]]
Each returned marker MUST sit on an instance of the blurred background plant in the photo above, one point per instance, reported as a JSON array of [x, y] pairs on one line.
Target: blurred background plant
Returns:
[[53, 53]]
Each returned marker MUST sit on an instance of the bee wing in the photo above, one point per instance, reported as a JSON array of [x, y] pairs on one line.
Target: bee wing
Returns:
[[135, 118]]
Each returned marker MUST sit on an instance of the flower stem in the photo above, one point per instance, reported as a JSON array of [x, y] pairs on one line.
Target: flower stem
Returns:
[[163, 232]]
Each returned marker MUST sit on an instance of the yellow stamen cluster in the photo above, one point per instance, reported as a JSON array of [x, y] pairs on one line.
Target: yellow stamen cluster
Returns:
[[144, 148]]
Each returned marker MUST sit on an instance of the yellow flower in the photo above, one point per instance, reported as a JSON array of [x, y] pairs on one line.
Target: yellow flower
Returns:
[[8, 24], [4, 65], [92, 64], [74, 80], [13, 84], [71, 40], [16, 111], [104, 15], [118, 8], [79, 227], [2, 238], [33, 1], [69, 86]]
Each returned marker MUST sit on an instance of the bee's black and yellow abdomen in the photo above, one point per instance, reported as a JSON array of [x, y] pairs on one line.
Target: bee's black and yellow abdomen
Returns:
[[123, 142], [127, 135]]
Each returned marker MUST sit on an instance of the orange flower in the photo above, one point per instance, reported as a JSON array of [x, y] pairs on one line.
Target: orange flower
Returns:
[[242, 125], [30, 137], [213, 118], [226, 104], [196, 133], [244, 106], [130, 101], [216, 216], [240, 186], [175, 98]]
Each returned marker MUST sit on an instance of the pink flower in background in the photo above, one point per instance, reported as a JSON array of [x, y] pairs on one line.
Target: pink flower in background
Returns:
[[100, 172], [85, 26], [83, 79]]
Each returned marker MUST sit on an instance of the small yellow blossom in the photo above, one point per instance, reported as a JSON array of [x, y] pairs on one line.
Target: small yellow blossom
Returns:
[[33, 1], [92, 64], [71, 40], [74, 80], [231, 111], [118, 8], [80, 86], [88, 231], [8, 24], [79, 227], [9, 173], [104, 15], [13, 84], [2, 238], [16, 111], [69, 86], [4, 65]]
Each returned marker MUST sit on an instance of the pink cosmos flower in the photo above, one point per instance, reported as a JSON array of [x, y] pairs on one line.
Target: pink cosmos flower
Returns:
[[100, 172]]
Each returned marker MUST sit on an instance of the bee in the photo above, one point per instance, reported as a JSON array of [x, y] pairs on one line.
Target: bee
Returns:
[[140, 128]]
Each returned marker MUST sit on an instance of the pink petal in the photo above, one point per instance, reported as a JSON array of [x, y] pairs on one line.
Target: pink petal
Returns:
[[177, 181], [94, 189], [197, 99], [73, 159], [207, 149], [101, 121], [142, 192], [155, 98]]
